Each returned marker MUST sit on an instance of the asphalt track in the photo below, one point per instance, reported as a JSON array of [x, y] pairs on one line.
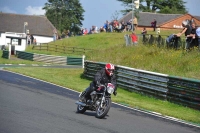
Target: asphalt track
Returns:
[[29, 105]]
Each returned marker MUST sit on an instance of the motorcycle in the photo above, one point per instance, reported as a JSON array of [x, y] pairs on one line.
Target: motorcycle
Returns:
[[99, 101]]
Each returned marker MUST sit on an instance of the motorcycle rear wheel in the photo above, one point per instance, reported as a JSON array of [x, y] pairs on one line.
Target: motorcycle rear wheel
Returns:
[[102, 112], [81, 109]]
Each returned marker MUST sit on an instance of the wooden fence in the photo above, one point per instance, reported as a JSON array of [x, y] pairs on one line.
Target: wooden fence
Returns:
[[61, 49]]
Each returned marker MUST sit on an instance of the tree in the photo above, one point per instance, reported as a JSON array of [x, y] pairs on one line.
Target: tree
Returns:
[[161, 6], [115, 16], [65, 14]]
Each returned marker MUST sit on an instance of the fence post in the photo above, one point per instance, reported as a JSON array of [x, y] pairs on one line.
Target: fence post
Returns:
[[127, 39], [9, 51], [83, 60]]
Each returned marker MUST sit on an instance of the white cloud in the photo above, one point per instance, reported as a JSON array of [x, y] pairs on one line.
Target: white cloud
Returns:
[[7, 10], [35, 10]]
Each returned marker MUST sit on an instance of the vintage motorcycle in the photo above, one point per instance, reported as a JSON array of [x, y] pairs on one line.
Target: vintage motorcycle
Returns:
[[99, 101]]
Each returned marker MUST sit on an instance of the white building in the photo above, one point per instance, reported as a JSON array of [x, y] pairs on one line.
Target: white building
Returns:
[[15, 28]]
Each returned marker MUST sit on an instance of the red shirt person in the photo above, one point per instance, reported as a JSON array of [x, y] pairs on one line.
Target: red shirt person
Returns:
[[134, 38]]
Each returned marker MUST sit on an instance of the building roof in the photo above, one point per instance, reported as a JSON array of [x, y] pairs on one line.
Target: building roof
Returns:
[[198, 17], [145, 18], [37, 25]]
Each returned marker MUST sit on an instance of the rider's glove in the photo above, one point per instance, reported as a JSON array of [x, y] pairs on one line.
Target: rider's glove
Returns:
[[98, 84], [115, 93]]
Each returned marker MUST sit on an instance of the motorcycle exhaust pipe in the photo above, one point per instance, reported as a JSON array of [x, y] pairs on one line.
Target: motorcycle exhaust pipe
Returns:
[[80, 103]]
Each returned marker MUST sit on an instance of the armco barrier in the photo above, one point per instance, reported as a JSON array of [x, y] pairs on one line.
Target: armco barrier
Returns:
[[174, 89], [145, 82], [184, 91], [133, 79], [63, 60]]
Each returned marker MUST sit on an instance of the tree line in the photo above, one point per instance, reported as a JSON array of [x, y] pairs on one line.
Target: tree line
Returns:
[[68, 14]]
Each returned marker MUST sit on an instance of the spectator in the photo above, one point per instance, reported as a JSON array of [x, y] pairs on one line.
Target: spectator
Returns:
[[186, 30], [85, 31], [63, 35], [90, 31], [198, 35], [193, 35], [32, 38], [29, 39], [115, 24], [68, 33], [107, 26], [154, 24], [54, 34], [144, 31], [129, 26], [95, 29], [104, 28], [82, 31], [34, 41], [120, 27], [134, 38], [135, 23], [123, 26], [111, 26]]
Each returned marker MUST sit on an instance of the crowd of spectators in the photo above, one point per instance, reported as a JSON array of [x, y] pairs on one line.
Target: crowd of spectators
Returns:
[[112, 26], [191, 32]]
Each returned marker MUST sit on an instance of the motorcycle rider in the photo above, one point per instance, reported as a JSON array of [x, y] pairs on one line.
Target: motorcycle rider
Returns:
[[104, 76]]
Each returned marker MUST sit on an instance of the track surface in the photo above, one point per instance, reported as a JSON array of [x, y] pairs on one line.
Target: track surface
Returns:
[[31, 106]]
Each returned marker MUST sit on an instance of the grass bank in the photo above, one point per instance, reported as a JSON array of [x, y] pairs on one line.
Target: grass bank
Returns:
[[110, 47]]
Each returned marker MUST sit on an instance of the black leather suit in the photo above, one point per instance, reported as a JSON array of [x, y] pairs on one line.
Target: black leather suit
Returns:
[[101, 78]]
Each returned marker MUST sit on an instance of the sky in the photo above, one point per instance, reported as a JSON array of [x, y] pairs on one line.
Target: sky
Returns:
[[96, 11]]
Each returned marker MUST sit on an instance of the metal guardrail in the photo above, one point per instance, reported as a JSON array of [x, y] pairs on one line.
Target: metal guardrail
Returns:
[[174, 89], [5, 54], [184, 91], [145, 82], [63, 60]]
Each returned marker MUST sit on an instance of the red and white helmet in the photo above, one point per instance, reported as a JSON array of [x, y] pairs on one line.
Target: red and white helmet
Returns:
[[109, 68]]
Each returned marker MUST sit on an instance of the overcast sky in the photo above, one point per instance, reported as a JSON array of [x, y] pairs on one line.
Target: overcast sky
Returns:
[[96, 11]]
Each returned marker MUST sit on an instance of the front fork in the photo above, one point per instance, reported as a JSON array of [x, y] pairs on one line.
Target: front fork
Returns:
[[102, 100]]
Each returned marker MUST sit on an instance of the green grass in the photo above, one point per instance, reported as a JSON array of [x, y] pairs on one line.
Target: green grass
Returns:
[[110, 47]]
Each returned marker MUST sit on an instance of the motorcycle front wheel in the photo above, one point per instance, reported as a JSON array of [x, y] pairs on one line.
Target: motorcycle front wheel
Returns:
[[102, 111], [81, 109]]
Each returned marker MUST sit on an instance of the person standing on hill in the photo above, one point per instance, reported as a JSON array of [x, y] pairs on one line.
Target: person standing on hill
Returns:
[[134, 38], [135, 23], [154, 25], [186, 30], [32, 38]]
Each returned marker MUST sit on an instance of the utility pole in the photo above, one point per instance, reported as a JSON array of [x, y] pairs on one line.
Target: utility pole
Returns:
[[132, 15], [135, 4]]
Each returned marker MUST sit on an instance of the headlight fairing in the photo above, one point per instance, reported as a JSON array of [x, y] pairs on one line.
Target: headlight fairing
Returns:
[[110, 90]]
